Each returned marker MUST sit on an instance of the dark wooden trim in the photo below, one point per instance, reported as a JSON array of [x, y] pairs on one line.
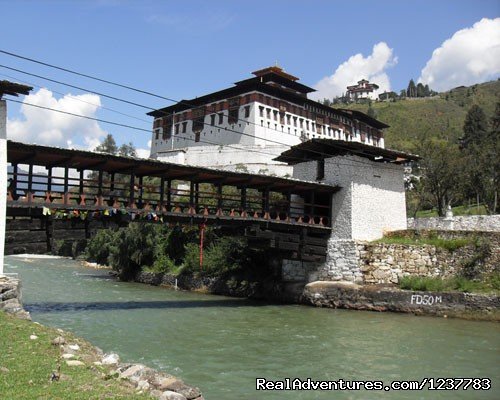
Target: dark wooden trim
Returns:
[[49, 179], [169, 194]]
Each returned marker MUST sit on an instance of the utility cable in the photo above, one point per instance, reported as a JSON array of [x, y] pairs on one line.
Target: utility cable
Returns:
[[76, 98]]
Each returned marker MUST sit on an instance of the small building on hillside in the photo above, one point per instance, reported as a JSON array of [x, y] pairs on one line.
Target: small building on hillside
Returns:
[[363, 90], [246, 126]]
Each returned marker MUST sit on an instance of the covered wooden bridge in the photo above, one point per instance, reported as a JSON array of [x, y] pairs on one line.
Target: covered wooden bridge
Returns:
[[44, 181]]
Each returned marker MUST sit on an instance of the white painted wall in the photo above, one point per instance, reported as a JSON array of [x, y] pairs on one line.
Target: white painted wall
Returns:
[[3, 178], [248, 138], [371, 201], [253, 159]]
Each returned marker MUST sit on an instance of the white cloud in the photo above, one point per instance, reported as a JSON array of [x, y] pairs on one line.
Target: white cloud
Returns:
[[144, 153], [356, 68], [56, 129], [471, 55]]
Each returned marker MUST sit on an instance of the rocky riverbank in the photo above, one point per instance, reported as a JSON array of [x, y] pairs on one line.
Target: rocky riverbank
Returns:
[[77, 353], [386, 298], [10, 297], [232, 286]]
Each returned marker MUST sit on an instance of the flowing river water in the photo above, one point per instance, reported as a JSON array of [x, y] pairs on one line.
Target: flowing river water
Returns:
[[223, 344]]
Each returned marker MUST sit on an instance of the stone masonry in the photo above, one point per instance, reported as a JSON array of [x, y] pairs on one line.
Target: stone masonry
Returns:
[[382, 263]]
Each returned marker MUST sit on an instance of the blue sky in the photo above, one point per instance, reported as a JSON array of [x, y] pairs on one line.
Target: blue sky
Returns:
[[184, 49]]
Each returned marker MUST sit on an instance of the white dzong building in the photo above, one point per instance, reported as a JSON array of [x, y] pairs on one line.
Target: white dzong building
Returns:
[[246, 126], [362, 91]]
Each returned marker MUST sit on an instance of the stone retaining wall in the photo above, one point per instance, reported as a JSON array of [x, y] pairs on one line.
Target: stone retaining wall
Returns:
[[372, 263], [386, 263], [11, 298], [487, 223], [383, 298]]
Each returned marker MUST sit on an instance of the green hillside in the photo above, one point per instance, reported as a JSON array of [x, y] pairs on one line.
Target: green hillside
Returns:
[[439, 116]]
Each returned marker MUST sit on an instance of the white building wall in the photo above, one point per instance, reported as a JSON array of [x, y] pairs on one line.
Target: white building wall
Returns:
[[253, 159], [372, 198], [246, 140]]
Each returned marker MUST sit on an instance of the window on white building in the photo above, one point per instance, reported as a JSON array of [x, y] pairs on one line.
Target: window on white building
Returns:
[[184, 127], [247, 111], [233, 115], [221, 118]]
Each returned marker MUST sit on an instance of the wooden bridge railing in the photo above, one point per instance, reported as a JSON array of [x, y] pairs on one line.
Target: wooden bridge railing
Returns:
[[99, 190]]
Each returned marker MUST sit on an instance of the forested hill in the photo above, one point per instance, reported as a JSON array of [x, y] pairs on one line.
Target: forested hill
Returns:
[[441, 116]]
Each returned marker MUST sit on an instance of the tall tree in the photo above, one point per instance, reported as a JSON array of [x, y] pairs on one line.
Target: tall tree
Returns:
[[475, 127], [427, 91], [420, 90], [127, 150], [481, 150], [411, 91], [438, 172], [108, 145]]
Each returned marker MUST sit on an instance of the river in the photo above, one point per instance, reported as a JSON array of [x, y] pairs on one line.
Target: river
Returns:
[[223, 344]]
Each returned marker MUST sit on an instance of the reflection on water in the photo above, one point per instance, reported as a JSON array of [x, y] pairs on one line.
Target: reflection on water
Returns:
[[223, 344]]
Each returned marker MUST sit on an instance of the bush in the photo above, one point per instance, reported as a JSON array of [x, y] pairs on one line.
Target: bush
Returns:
[[98, 247], [223, 256], [454, 284], [163, 264], [134, 247], [421, 283], [191, 262]]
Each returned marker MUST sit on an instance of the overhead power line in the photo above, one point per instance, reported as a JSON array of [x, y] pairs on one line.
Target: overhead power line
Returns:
[[128, 87], [123, 125], [85, 75], [184, 137], [75, 98], [78, 87], [146, 107]]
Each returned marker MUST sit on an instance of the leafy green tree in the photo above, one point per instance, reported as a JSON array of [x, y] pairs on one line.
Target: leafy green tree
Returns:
[[134, 247], [438, 172], [127, 150], [481, 149], [108, 145]]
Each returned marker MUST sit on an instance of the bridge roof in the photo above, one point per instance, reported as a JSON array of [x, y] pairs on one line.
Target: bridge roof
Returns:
[[22, 153], [316, 149]]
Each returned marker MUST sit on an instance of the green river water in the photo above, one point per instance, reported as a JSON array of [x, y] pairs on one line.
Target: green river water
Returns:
[[223, 344]]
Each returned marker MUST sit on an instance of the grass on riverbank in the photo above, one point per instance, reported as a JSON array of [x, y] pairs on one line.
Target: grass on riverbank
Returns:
[[26, 366], [448, 244], [490, 284], [457, 211]]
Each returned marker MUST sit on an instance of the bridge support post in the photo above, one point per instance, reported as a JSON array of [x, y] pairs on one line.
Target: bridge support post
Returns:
[[169, 195], [3, 178]]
